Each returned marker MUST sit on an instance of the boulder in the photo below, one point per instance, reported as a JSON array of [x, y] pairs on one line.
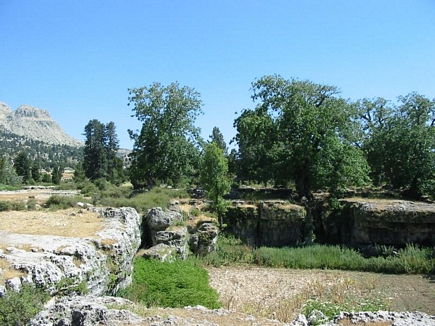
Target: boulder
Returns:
[[175, 237], [203, 241], [161, 252]]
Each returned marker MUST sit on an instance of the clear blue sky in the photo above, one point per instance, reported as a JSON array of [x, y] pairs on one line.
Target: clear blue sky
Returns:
[[78, 58]]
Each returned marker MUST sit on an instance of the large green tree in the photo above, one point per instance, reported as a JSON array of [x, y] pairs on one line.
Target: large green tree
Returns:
[[214, 176], [400, 142], [300, 132], [22, 165], [166, 148], [101, 146]]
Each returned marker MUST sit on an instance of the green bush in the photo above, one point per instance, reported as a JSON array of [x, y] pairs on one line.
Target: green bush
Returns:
[[17, 308], [230, 250], [5, 206], [62, 202], [31, 204], [88, 189], [177, 284], [12, 206], [9, 188]]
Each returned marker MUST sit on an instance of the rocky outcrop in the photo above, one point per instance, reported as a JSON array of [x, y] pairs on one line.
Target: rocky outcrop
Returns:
[[166, 235], [364, 221], [203, 239], [35, 124], [98, 265], [87, 311], [269, 223], [91, 310]]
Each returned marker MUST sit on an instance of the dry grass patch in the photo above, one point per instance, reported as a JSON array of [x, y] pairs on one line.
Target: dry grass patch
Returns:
[[8, 272], [107, 242], [67, 223], [282, 294]]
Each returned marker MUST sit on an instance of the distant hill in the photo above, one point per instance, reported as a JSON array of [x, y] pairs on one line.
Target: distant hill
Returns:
[[34, 131], [35, 124]]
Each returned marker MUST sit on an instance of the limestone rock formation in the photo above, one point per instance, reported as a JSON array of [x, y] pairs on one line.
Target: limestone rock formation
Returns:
[[100, 265], [365, 221], [203, 241], [87, 311], [35, 124], [270, 223], [166, 236]]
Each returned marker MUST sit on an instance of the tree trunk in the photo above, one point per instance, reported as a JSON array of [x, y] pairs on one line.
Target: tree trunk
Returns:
[[303, 186]]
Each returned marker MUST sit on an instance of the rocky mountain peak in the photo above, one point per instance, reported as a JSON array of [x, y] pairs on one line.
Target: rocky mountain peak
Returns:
[[5, 111], [27, 111], [36, 124]]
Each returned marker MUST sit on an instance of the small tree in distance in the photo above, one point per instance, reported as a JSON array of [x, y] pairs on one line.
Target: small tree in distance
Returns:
[[214, 177]]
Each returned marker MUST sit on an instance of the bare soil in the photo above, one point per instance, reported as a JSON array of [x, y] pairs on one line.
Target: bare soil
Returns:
[[271, 292]]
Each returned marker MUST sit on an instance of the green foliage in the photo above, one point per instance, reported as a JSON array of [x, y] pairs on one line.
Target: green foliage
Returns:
[[177, 284], [31, 204], [8, 187], [167, 146], [214, 176], [331, 309], [409, 260], [400, 142], [22, 166], [88, 188], [44, 154], [69, 285], [17, 308], [8, 175], [46, 178], [100, 160], [12, 206], [217, 138], [157, 197], [56, 202], [229, 250], [301, 132], [56, 175]]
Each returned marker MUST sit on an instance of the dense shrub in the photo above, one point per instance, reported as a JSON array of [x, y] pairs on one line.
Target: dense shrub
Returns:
[[17, 308], [12, 206], [177, 284], [62, 202]]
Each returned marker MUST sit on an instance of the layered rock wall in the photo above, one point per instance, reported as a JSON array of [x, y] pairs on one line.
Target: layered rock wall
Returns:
[[389, 222], [270, 223]]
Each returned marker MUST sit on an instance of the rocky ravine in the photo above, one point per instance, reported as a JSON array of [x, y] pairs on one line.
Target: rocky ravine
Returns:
[[104, 264]]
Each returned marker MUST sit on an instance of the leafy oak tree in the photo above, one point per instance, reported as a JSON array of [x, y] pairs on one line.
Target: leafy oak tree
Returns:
[[400, 142], [166, 148], [214, 177], [300, 132]]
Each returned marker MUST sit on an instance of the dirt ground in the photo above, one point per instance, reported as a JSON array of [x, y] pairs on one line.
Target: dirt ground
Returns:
[[266, 292]]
